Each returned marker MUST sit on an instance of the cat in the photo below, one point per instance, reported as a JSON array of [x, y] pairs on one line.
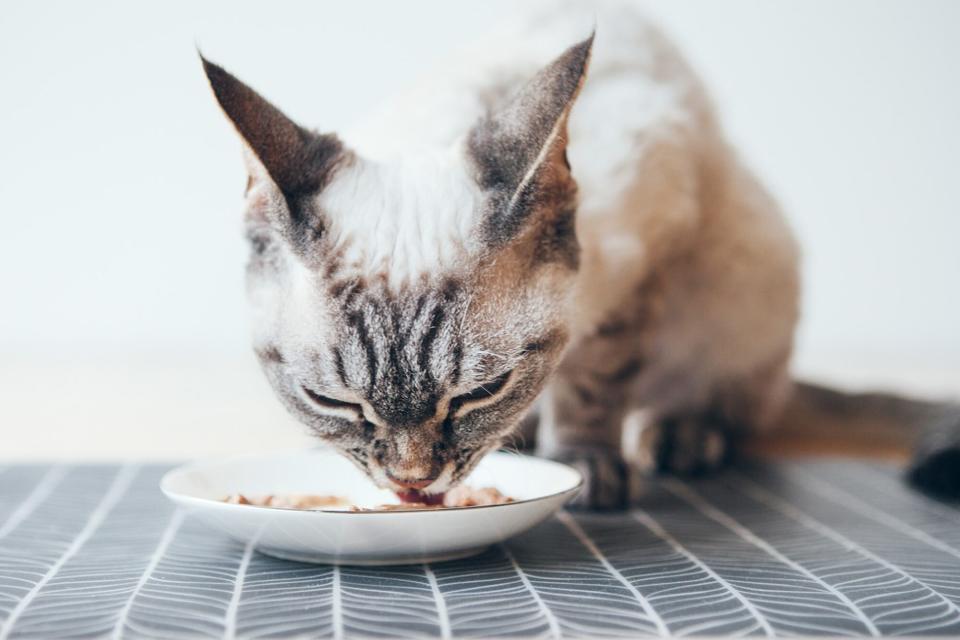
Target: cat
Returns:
[[543, 241]]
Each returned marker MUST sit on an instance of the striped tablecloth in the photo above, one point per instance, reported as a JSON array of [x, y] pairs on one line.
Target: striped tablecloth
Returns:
[[812, 548]]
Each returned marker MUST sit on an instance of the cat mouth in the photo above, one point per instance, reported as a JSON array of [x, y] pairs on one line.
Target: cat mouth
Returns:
[[425, 491], [410, 485], [413, 496]]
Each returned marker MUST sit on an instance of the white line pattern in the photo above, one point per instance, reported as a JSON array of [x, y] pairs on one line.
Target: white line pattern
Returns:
[[686, 493], [487, 596], [892, 489], [283, 598], [650, 523], [441, 603], [175, 521], [581, 535], [116, 490], [398, 602], [551, 619], [895, 577], [337, 608], [855, 503], [230, 618], [96, 551], [37, 496]]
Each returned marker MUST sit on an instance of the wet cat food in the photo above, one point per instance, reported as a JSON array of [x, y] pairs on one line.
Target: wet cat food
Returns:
[[292, 501], [461, 496]]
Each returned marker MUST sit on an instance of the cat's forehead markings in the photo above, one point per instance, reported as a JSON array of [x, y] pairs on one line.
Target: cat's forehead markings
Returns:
[[396, 220]]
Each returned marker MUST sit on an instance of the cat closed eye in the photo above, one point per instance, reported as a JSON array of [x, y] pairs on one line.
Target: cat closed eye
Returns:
[[330, 403], [483, 392]]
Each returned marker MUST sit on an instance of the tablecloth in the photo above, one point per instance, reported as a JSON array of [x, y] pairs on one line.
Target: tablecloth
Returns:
[[809, 547]]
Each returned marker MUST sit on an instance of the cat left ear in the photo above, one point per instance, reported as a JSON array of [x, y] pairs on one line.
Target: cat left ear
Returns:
[[519, 149], [298, 161]]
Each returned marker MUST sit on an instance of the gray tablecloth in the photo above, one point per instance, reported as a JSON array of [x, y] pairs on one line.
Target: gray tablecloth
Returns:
[[831, 548]]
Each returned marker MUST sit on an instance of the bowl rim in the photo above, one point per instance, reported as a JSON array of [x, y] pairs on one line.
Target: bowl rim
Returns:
[[187, 467]]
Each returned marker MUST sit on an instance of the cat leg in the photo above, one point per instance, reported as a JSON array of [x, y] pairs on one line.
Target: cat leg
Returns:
[[581, 426], [686, 445], [704, 439]]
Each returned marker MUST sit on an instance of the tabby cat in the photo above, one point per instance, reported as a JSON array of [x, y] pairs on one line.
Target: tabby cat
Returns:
[[539, 252]]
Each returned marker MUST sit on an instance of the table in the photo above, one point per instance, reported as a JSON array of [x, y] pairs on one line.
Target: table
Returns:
[[807, 547]]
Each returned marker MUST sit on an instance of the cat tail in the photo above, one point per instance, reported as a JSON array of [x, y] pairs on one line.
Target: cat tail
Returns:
[[819, 419]]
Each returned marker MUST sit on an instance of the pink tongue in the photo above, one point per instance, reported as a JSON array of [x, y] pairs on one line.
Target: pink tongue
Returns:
[[424, 498]]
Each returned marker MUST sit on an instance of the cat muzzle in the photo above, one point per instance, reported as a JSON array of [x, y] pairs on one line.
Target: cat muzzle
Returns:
[[412, 483]]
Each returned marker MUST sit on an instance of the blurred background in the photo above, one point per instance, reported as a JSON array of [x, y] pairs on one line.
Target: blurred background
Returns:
[[123, 329]]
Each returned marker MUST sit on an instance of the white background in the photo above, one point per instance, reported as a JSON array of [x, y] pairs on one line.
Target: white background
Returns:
[[120, 189]]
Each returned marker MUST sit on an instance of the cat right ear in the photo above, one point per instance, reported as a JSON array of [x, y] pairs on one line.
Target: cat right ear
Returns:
[[519, 148], [298, 161]]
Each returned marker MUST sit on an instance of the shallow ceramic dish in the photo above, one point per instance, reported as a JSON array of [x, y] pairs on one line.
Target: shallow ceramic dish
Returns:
[[539, 487]]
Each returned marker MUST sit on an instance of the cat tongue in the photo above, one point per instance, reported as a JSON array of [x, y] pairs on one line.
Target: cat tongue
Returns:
[[421, 498]]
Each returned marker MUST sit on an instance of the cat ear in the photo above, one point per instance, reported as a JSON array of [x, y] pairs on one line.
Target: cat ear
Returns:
[[519, 148], [298, 161]]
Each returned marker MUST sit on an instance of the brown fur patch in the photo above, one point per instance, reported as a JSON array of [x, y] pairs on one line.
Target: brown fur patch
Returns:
[[270, 353]]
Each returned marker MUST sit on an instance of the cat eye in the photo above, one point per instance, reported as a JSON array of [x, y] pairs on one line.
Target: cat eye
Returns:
[[483, 392], [331, 403]]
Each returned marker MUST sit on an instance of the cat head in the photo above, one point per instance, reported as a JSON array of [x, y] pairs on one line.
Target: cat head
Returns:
[[410, 311]]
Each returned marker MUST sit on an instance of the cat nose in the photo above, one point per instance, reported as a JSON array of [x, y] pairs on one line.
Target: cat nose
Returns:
[[412, 483]]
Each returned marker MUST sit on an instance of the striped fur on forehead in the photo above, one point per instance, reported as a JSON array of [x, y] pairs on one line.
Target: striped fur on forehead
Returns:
[[402, 349]]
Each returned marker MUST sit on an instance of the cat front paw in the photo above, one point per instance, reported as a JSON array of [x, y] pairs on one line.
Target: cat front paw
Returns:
[[684, 446], [605, 477]]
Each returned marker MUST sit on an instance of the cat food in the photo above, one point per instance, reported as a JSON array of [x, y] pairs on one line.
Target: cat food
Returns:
[[457, 497], [293, 501], [464, 496]]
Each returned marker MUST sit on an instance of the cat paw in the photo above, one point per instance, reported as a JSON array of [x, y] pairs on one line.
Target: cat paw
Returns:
[[684, 446], [605, 477], [935, 469]]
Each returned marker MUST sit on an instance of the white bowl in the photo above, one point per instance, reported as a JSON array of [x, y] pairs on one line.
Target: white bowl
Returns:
[[539, 487]]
